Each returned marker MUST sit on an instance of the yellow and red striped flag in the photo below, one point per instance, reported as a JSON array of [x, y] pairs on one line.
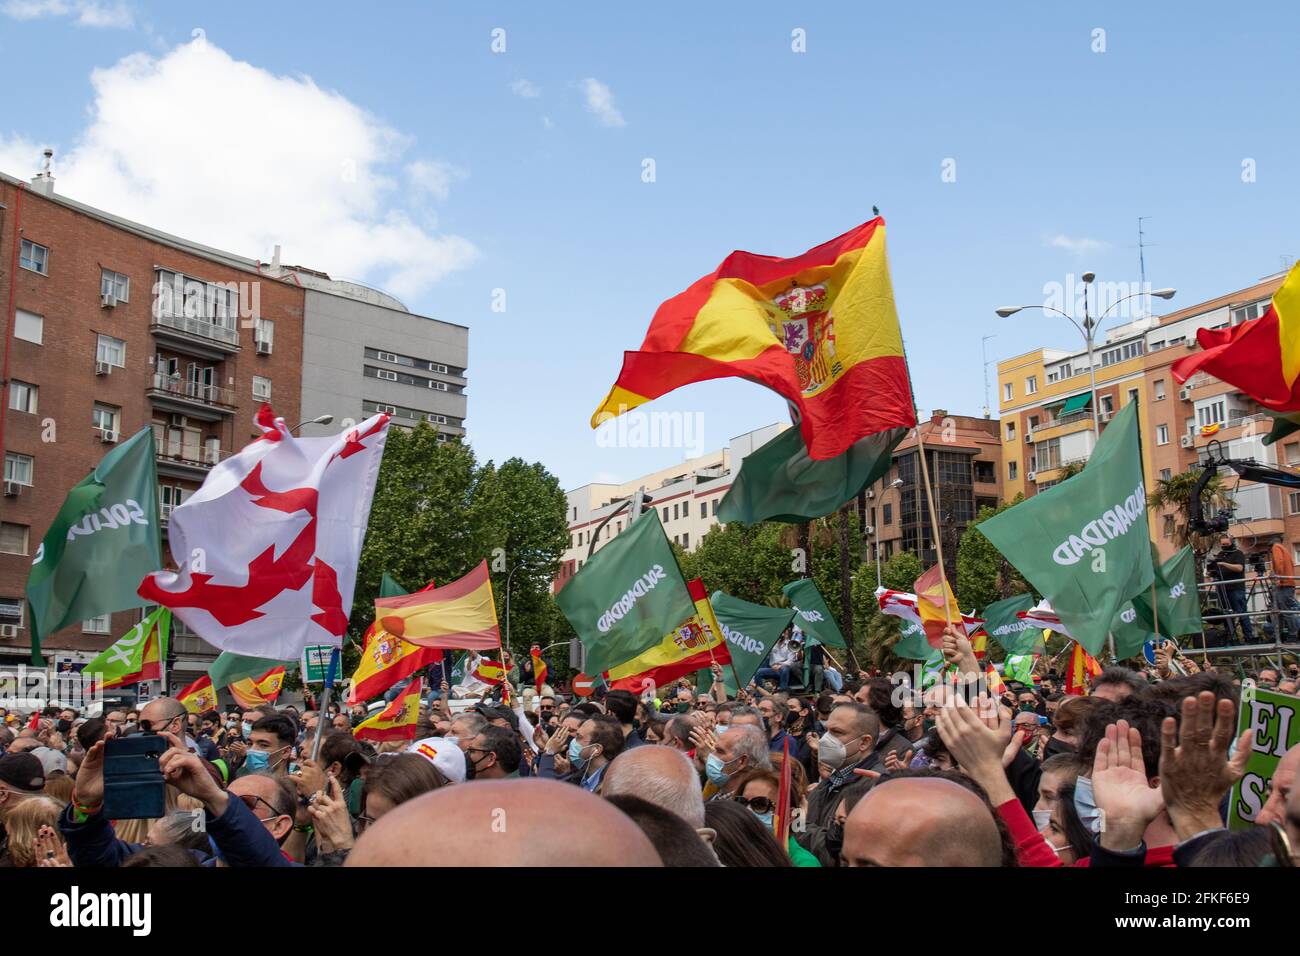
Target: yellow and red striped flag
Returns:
[[398, 720], [458, 615], [386, 659], [820, 329], [539, 668], [993, 679], [256, 691], [490, 672], [692, 646], [199, 696], [1082, 666], [935, 604]]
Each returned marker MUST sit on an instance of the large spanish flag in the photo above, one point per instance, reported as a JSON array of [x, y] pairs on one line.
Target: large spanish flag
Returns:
[[693, 646], [397, 721], [820, 329], [935, 604], [1260, 357], [256, 691], [1082, 667], [386, 659], [199, 696], [458, 615]]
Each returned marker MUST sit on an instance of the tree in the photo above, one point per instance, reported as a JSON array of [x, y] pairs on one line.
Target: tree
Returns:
[[746, 561], [1175, 494], [876, 633]]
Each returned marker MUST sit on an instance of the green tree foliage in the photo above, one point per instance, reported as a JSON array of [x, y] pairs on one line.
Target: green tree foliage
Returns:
[[750, 562], [1174, 495], [983, 574]]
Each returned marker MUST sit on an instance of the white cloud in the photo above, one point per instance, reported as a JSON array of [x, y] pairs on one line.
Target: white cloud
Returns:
[[231, 155], [88, 13], [600, 101], [525, 89], [1078, 246]]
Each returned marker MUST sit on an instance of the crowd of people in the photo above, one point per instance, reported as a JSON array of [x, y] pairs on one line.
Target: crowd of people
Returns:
[[1136, 773]]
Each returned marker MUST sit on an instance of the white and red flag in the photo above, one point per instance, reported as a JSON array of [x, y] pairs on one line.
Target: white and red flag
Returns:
[[267, 549]]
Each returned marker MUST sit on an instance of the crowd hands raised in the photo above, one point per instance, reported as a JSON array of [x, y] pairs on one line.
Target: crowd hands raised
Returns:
[[1135, 774]]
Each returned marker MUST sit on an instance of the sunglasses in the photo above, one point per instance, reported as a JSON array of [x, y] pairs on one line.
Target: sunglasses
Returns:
[[158, 726], [757, 804], [251, 801]]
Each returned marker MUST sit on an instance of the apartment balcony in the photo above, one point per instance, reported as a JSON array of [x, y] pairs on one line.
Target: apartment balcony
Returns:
[[194, 335], [186, 461], [206, 403]]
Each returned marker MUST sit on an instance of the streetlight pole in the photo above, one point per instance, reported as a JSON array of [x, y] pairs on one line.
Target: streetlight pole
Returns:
[[510, 575]]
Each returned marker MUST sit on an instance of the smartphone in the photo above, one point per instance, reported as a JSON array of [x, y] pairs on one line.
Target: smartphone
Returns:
[[133, 781]]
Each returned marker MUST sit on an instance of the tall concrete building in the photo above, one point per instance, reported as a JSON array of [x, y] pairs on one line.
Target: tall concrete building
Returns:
[[1046, 417]]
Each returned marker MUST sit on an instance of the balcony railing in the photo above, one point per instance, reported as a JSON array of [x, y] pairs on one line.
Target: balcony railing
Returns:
[[198, 326], [175, 385], [192, 456]]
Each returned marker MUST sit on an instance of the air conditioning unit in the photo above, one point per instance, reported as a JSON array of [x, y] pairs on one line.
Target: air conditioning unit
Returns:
[[212, 454], [178, 421], [108, 436], [1029, 438], [1184, 394], [1032, 476], [13, 489], [263, 347], [8, 630], [103, 368], [871, 493], [107, 300], [1186, 441], [870, 529]]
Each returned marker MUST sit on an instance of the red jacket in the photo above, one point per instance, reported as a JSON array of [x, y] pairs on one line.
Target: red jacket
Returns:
[[1032, 848]]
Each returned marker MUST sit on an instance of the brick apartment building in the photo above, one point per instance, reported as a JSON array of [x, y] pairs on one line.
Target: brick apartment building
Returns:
[[109, 327], [1046, 415]]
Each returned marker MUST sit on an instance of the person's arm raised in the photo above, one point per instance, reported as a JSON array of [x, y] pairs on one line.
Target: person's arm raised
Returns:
[[1195, 770]]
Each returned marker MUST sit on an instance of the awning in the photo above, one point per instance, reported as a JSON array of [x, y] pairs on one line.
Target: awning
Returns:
[[1075, 403]]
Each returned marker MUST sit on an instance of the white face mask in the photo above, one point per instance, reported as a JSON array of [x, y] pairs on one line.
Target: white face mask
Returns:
[[1041, 819], [831, 752]]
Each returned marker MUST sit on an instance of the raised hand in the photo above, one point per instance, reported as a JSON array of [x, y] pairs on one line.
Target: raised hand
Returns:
[[559, 741], [894, 762], [329, 814], [977, 737], [89, 788], [1119, 786], [48, 848], [1195, 771]]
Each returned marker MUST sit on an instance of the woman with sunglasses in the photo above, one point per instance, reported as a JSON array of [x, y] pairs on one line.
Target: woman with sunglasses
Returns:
[[757, 790]]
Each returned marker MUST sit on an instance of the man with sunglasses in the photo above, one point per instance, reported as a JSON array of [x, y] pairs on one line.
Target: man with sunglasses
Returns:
[[167, 715]]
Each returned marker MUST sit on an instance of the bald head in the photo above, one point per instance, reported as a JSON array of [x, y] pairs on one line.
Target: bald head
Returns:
[[505, 823], [921, 821], [659, 775]]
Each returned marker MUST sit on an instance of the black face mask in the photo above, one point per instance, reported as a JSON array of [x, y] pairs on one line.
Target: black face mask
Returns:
[[63, 725], [835, 841], [792, 718]]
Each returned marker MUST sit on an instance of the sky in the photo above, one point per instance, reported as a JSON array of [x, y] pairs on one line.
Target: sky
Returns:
[[548, 173]]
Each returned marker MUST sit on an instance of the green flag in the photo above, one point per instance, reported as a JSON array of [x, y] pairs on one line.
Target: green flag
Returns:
[[1082, 544], [779, 482], [813, 616], [1019, 667], [1273, 720], [1012, 632], [912, 643], [1177, 599], [135, 656], [1131, 629], [389, 587], [228, 668], [627, 596], [102, 543], [750, 630]]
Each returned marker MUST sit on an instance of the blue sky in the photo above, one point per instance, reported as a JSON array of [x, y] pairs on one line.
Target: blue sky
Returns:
[[469, 171]]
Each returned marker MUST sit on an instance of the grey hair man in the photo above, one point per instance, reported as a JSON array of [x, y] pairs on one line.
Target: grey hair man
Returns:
[[660, 775]]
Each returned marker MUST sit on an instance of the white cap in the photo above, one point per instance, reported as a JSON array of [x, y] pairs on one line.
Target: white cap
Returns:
[[443, 754]]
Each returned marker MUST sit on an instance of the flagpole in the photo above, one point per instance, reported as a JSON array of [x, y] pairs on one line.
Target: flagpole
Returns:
[[323, 703], [934, 524]]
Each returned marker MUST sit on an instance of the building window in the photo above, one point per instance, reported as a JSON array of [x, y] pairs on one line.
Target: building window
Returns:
[[1166, 474], [1008, 391], [1011, 431], [1159, 387], [11, 610], [105, 417], [115, 284], [715, 506], [18, 468], [1168, 530], [170, 497], [29, 326], [436, 419], [34, 257], [1107, 404], [1211, 413], [97, 625], [261, 388], [388, 375], [13, 538], [1132, 395], [436, 367], [886, 514], [22, 397], [1293, 502], [264, 335], [1292, 453], [1013, 470], [1031, 385], [1162, 435], [438, 386], [111, 351], [686, 540], [665, 514], [1032, 423], [704, 509]]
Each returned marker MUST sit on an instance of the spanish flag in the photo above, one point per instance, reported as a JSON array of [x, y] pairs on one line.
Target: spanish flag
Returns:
[[693, 646], [539, 668], [1082, 666], [458, 615], [993, 679], [819, 329], [936, 605], [386, 659], [255, 691], [1260, 357], [490, 672], [199, 696], [397, 721]]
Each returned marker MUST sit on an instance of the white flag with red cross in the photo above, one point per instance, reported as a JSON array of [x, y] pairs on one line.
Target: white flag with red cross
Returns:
[[267, 549]]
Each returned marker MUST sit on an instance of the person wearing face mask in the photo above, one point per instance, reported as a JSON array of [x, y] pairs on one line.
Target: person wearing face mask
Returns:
[[743, 747], [270, 747], [1064, 832], [493, 755], [758, 790], [599, 740], [847, 746]]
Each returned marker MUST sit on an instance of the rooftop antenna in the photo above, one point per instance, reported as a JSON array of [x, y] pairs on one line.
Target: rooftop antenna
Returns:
[[1142, 260], [984, 340]]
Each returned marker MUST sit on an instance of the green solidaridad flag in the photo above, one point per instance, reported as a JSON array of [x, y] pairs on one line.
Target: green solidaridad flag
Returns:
[[228, 668], [1019, 667], [1273, 720], [912, 643], [780, 482], [627, 596], [1177, 608], [750, 630], [812, 616], [1131, 629], [1083, 543], [136, 655], [1012, 632], [102, 543]]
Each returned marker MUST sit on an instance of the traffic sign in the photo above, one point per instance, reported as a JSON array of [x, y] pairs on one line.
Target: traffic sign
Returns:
[[583, 685]]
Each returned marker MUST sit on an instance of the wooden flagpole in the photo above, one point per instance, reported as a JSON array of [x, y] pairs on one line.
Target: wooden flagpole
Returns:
[[934, 524]]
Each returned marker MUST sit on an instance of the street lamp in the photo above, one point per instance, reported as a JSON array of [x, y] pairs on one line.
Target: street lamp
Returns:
[[508, 577], [896, 483], [1088, 329], [318, 420]]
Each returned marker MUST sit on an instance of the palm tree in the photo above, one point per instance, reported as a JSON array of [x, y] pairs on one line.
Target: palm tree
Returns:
[[1175, 493], [1069, 470]]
